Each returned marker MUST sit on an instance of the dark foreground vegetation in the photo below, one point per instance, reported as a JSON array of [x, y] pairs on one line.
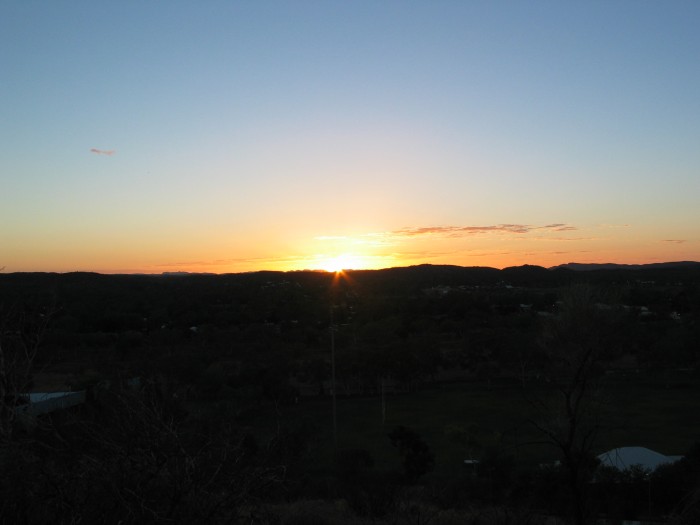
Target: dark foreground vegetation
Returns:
[[418, 395]]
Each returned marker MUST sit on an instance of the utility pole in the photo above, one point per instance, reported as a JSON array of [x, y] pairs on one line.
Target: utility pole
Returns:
[[333, 389], [383, 402]]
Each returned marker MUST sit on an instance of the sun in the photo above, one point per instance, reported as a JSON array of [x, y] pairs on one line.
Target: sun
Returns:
[[342, 262]]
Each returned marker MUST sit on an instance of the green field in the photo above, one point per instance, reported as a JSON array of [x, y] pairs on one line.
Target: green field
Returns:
[[657, 415]]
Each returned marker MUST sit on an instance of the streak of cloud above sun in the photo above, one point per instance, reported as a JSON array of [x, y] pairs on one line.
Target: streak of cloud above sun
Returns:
[[391, 237], [398, 247]]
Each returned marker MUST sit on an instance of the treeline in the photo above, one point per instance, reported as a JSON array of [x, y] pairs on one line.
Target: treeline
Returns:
[[406, 325]]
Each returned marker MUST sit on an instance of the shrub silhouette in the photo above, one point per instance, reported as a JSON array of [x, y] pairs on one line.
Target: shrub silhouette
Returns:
[[415, 453]]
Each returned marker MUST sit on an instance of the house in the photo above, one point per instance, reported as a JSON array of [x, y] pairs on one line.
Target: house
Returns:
[[37, 403], [626, 457]]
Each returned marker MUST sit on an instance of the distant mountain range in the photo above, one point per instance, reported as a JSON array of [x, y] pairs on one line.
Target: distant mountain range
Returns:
[[480, 272], [424, 275], [586, 267], [393, 282]]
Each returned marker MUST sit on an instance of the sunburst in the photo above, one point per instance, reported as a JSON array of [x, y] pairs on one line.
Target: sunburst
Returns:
[[342, 262]]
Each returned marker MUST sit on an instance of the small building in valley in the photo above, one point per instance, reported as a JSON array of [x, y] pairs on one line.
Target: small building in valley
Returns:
[[626, 457]]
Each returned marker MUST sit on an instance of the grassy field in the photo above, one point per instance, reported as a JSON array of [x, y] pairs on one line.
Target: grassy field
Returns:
[[657, 412], [657, 415]]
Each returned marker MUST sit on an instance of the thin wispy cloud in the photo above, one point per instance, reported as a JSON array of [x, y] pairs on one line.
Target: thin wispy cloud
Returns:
[[423, 254], [259, 262], [403, 235], [489, 254], [405, 244], [464, 231], [214, 262], [562, 239], [613, 226], [674, 241], [458, 231], [367, 239], [107, 152], [558, 228]]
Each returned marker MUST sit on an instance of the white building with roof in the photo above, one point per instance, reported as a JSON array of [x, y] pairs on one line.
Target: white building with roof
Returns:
[[625, 457], [37, 403]]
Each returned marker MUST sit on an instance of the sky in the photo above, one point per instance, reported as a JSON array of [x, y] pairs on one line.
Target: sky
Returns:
[[234, 136]]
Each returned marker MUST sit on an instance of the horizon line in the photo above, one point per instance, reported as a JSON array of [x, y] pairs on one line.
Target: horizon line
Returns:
[[176, 273]]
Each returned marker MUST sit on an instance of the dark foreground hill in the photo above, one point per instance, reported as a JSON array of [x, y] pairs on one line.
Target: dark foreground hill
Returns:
[[213, 395]]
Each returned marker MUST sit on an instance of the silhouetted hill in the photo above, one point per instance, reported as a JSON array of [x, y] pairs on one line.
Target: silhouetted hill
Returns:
[[586, 267], [424, 276], [528, 275], [95, 291]]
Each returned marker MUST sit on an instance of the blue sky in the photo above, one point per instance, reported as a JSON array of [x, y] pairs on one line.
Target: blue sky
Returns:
[[251, 135]]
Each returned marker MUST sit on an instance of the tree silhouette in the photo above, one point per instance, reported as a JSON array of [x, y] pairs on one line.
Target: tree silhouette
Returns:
[[567, 401], [415, 453], [21, 332]]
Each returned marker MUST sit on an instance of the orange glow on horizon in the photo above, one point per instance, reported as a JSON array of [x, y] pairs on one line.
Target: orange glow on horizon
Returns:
[[359, 251], [342, 262]]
